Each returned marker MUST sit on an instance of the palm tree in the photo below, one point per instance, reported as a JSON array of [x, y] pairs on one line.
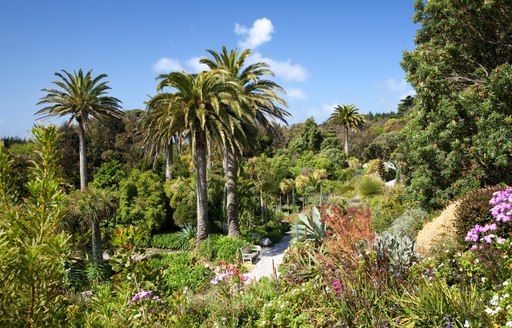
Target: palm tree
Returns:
[[160, 127], [200, 99], [93, 206], [82, 97], [346, 117], [259, 97]]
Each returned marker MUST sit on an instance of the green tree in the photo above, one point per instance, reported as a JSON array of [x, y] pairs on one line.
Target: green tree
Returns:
[[260, 99], [162, 123], [202, 98], [459, 135], [142, 202], [92, 206], [346, 117], [32, 250], [82, 97]]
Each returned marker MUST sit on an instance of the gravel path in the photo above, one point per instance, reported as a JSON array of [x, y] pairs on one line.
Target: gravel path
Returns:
[[263, 268]]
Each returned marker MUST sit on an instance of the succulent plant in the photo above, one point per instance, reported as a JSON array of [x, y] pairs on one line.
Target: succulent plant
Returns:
[[310, 226], [398, 251]]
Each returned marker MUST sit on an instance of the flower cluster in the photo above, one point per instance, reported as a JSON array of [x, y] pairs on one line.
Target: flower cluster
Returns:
[[224, 271], [502, 213], [144, 295], [502, 202]]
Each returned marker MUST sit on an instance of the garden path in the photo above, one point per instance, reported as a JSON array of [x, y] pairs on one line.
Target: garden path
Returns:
[[270, 256]]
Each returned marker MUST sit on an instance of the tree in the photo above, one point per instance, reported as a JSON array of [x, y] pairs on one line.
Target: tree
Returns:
[[82, 97], [458, 138], [32, 250], [259, 97], [202, 98], [93, 206], [346, 117], [160, 126]]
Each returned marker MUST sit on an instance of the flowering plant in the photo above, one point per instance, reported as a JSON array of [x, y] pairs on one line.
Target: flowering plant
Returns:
[[502, 213]]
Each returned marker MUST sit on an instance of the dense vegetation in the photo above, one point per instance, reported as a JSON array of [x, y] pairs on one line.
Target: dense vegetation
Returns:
[[396, 217]]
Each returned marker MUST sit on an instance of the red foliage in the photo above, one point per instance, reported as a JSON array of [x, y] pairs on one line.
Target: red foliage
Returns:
[[351, 233]]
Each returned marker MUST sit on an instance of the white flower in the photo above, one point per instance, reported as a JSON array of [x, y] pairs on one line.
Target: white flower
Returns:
[[489, 311], [466, 324], [505, 283], [509, 324]]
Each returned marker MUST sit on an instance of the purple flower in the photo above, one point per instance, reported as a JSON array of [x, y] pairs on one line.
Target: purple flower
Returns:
[[488, 238], [500, 240]]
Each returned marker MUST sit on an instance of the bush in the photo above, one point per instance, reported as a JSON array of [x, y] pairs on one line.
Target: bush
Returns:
[[474, 208], [169, 241], [408, 224], [387, 208], [180, 271], [440, 232], [370, 186], [228, 248]]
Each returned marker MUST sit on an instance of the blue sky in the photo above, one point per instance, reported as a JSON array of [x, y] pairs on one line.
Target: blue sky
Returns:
[[324, 53]]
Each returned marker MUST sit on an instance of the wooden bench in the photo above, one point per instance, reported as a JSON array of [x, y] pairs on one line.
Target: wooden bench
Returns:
[[250, 252]]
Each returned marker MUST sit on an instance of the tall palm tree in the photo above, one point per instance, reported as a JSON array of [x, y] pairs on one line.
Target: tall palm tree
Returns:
[[260, 97], [83, 97], [201, 98], [346, 117], [160, 127]]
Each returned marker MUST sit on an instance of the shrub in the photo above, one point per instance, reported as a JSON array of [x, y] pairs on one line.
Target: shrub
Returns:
[[408, 224], [397, 251], [309, 226], [351, 233], [180, 271], [474, 208], [388, 207], [169, 241], [370, 186], [228, 248], [441, 230]]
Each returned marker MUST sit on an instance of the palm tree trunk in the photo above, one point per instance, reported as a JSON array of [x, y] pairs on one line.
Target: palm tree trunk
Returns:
[[345, 133], [168, 160], [83, 158], [202, 195], [231, 199], [97, 245], [210, 161]]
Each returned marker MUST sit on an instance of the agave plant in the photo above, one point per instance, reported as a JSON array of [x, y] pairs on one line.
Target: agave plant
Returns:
[[310, 227], [187, 236]]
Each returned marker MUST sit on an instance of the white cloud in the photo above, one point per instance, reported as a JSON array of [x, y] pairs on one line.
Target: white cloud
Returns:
[[295, 94], [195, 65], [166, 65], [401, 87], [260, 32], [285, 70]]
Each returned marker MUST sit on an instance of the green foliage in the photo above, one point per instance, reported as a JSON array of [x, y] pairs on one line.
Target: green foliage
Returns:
[[435, 304], [272, 230], [180, 271], [32, 250], [310, 226], [459, 137], [109, 175], [181, 240], [228, 248], [369, 186], [474, 208], [142, 202], [388, 207], [169, 241]]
